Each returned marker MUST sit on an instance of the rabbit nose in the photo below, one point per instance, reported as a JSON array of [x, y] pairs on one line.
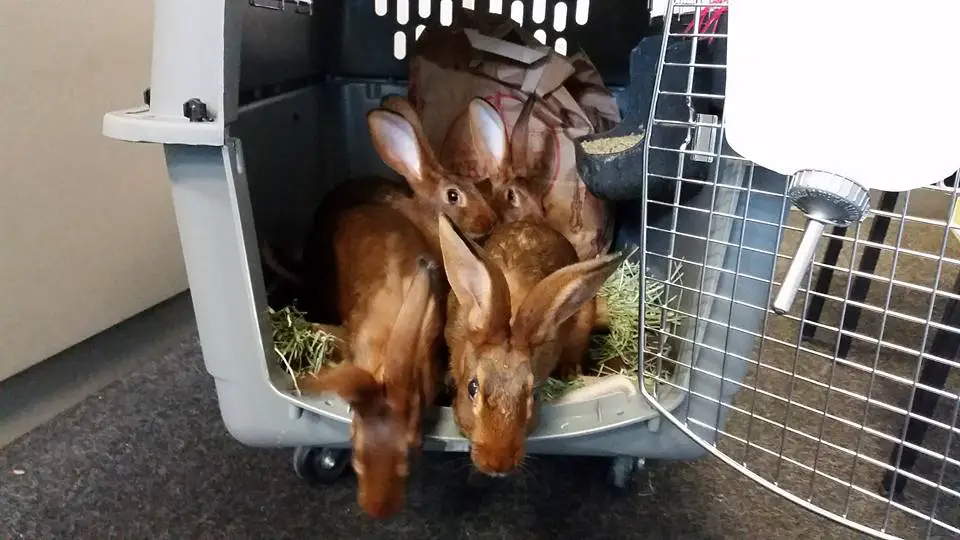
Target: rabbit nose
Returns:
[[482, 225], [497, 463]]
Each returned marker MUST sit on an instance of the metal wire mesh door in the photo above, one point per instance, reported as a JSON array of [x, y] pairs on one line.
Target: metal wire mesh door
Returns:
[[847, 406]]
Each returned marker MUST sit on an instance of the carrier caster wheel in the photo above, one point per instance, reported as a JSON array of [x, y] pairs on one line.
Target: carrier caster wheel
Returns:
[[621, 472], [319, 466]]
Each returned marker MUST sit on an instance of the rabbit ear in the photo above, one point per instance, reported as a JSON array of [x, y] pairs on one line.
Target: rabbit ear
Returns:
[[520, 138], [396, 142], [402, 106], [555, 125], [353, 384], [488, 135], [398, 104], [559, 296], [406, 330], [547, 163], [480, 287]]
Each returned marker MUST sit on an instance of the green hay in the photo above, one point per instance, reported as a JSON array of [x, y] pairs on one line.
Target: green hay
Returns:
[[302, 348], [618, 351], [554, 388]]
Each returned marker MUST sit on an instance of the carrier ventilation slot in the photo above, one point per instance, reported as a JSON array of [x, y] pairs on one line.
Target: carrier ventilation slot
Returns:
[[549, 24], [304, 7]]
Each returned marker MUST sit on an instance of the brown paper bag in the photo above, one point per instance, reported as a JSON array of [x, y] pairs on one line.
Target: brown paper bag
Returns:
[[492, 57]]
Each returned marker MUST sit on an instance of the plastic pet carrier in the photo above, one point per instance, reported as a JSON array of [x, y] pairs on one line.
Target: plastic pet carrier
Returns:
[[260, 106]]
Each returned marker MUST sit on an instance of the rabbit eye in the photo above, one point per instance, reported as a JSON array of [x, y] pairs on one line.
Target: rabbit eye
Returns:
[[472, 388], [453, 196]]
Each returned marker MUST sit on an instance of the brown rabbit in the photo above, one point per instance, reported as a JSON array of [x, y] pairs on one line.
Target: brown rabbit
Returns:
[[429, 190], [390, 302], [401, 143], [518, 187], [521, 306], [520, 178]]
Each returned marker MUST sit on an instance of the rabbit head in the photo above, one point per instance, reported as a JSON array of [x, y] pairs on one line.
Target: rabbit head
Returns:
[[521, 178], [380, 451], [500, 354], [386, 413], [399, 139]]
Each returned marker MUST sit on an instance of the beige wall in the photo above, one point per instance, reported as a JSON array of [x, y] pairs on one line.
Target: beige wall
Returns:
[[87, 230]]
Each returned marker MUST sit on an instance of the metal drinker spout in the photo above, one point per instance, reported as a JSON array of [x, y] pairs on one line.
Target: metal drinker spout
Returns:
[[826, 199]]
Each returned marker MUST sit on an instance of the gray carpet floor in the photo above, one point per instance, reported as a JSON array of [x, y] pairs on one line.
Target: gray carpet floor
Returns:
[[148, 457]]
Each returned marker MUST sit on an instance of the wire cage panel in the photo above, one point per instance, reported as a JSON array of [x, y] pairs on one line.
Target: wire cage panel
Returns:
[[848, 407]]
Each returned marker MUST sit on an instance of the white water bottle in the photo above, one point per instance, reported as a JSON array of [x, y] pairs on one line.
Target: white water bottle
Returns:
[[843, 96]]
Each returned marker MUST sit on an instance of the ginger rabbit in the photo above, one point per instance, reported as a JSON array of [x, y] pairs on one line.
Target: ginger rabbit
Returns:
[[521, 308], [390, 301], [429, 191]]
